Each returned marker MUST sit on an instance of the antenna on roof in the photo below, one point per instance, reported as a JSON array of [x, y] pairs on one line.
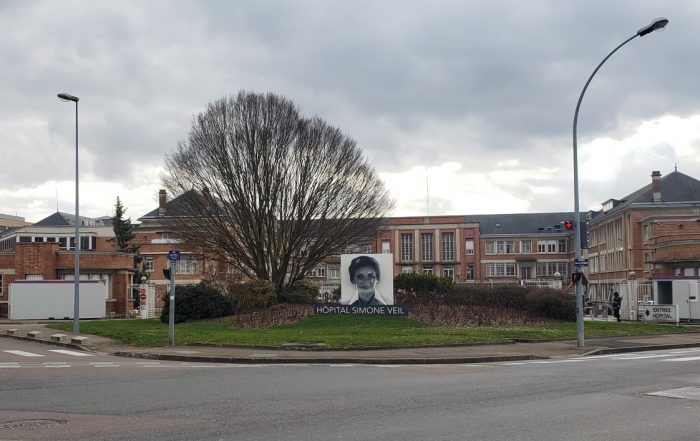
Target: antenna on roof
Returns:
[[675, 167], [427, 193], [56, 188]]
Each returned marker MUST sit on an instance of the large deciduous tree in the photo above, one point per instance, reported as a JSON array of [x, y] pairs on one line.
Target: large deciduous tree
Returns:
[[270, 191]]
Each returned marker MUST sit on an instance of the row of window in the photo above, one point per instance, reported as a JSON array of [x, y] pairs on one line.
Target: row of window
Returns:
[[64, 243], [186, 265], [543, 246], [447, 250]]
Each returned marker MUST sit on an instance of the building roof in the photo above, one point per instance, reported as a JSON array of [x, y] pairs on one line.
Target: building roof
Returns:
[[173, 207], [520, 223], [59, 219], [676, 187]]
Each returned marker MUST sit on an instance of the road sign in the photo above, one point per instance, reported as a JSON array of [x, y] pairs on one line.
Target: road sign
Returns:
[[174, 255], [581, 262], [142, 294]]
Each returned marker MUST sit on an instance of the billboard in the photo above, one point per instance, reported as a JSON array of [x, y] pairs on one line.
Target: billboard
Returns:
[[366, 279]]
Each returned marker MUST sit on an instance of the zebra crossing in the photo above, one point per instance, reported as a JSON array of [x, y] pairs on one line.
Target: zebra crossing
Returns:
[[673, 356]]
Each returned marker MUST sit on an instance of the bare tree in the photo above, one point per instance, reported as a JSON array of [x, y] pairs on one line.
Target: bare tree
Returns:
[[269, 191]]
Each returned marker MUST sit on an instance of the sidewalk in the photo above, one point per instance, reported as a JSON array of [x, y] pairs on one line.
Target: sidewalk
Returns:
[[422, 355]]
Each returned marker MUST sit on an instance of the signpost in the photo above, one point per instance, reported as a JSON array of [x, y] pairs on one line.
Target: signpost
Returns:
[[173, 258]]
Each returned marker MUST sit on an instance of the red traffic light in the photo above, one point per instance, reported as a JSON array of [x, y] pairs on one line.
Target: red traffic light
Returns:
[[569, 224]]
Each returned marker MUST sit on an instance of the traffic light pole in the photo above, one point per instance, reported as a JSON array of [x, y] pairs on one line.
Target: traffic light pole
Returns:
[[171, 316]]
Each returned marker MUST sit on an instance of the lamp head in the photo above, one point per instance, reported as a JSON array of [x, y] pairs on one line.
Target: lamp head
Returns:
[[655, 25], [67, 97]]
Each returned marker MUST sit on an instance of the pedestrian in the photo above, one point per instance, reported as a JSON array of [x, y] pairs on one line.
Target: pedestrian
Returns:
[[617, 304]]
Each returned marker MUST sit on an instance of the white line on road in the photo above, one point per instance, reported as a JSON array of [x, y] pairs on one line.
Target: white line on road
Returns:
[[684, 359], [24, 354], [73, 353]]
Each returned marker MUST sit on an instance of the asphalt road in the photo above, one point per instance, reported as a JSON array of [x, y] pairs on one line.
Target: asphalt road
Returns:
[[109, 398]]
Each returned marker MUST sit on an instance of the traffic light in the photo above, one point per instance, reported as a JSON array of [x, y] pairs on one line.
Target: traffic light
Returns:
[[568, 224], [575, 277]]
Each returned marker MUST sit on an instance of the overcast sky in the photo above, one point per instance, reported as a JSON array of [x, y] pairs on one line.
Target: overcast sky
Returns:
[[471, 102]]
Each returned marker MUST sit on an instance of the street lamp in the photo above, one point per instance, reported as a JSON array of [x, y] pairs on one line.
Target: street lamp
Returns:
[[76, 277], [657, 24]]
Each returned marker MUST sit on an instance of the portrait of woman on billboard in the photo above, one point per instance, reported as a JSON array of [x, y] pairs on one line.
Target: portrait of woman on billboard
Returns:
[[365, 285]]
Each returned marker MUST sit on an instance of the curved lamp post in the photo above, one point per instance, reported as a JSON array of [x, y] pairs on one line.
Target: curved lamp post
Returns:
[[76, 277], [657, 24]]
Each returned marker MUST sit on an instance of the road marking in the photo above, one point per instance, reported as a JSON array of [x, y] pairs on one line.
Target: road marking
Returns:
[[52, 364], [73, 353], [9, 365], [24, 354], [643, 357], [684, 359]]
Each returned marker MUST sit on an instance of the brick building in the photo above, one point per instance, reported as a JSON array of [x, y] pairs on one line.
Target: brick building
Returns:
[[503, 247], [653, 233], [46, 251]]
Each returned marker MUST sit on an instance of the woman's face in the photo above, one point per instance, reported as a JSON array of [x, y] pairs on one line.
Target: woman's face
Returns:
[[365, 279]]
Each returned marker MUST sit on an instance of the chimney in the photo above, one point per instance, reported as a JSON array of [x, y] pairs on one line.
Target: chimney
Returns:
[[206, 197], [162, 200], [656, 186]]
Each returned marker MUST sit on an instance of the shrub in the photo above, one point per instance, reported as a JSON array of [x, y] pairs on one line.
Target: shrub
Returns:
[[251, 295], [551, 303], [422, 283], [303, 291], [196, 302]]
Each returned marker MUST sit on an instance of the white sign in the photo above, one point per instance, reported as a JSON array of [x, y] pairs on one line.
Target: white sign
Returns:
[[660, 313]]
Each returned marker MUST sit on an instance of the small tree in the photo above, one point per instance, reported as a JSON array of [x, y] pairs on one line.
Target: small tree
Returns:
[[123, 229], [123, 235]]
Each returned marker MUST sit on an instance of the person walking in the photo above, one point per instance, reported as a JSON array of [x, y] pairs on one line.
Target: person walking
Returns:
[[616, 305]]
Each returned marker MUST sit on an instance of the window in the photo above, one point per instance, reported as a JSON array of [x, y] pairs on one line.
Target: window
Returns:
[[469, 248], [51, 239], [85, 243], [499, 247], [335, 272], [407, 247], [525, 246], [187, 265], [551, 268], [427, 270], [165, 235], [148, 264], [500, 269], [24, 239], [562, 246], [385, 247], [319, 271], [366, 248], [62, 243], [34, 277], [547, 246], [470, 272], [38, 239], [426, 247], [448, 246], [406, 269], [1, 291], [448, 271]]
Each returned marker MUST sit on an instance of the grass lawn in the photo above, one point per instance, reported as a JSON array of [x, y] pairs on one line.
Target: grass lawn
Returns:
[[352, 332]]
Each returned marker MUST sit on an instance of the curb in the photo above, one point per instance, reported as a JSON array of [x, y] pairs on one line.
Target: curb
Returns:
[[84, 348], [333, 360]]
